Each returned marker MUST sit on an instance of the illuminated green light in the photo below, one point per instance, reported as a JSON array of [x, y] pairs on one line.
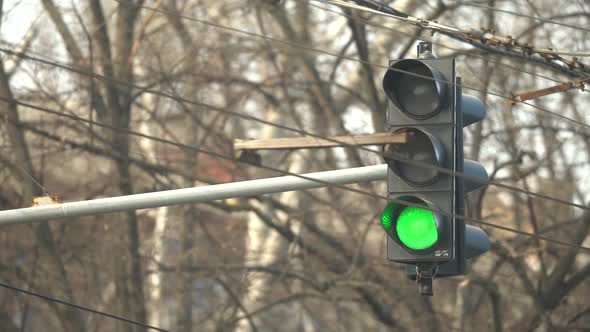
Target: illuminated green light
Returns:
[[416, 228]]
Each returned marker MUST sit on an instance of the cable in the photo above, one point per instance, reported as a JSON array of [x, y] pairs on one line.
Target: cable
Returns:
[[280, 171], [408, 19], [381, 7], [440, 27], [302, 132], [359, 60], [33, 179], [73, 305], [299, 131], [480, 38], [305, 133], [312, 49], [548, 51], [377, 25], [536, 18]]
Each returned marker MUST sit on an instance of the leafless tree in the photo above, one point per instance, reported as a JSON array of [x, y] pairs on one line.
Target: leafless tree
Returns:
[[306, 261]]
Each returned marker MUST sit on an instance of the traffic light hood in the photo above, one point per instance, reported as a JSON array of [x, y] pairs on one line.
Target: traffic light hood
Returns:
[[420, 146], [416, 88]]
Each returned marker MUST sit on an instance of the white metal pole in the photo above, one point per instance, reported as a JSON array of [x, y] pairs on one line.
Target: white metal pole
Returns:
[[192, 195]]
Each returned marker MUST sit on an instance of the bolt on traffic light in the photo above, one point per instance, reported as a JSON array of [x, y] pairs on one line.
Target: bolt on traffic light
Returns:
[[426, 104]]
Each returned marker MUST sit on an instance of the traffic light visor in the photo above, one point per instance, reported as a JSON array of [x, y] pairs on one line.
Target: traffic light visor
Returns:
[[415, 88], [419, 147]]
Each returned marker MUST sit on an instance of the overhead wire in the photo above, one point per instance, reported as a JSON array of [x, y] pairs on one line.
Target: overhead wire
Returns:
[[79, 307], [369, 22], [29, 175], [435, 26], [380, 11], [203, 151], [37, 183], [377, 25], [547, 51], [211, 107], [292, 44], [379, 6], [312, 49], [285, 127], [288, 128], [536, 18], [280, 171]]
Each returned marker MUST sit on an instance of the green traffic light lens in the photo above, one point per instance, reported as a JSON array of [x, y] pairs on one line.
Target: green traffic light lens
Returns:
[[416, 228]]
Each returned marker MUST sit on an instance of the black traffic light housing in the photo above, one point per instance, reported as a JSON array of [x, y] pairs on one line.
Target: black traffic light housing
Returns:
[[426, 103]]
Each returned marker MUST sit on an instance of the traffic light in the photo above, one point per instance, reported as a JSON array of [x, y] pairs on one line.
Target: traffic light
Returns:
[[426, 104]]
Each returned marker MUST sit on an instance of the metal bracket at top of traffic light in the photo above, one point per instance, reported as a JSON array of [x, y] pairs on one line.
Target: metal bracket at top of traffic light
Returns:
[[426, 104]]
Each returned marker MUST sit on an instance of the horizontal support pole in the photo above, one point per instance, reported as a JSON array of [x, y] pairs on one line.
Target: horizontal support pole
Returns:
[[289, 143], [192, 195]]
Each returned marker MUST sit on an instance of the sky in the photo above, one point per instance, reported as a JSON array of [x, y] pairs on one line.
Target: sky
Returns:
[[17, 18]]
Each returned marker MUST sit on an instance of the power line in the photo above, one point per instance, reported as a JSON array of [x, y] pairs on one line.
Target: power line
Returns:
[[73, 305], [487, 40], [312, 49], [302, 132], [298, 131], [280, 171], [140, 324], [384, 10], [24, 171], [536, 18], [377, 25], [376, 5], [435, 26]]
